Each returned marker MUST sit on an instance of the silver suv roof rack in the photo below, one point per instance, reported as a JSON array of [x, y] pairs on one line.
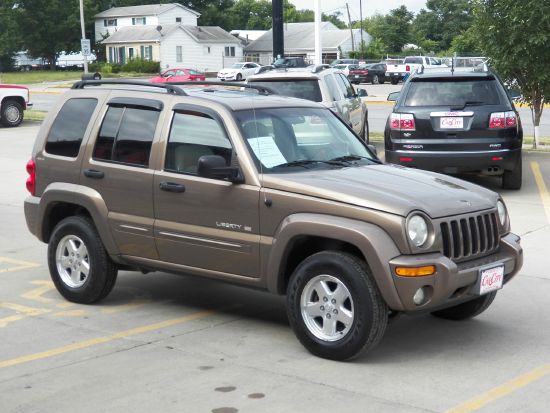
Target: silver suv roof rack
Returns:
[[319, 68], [263, 90]]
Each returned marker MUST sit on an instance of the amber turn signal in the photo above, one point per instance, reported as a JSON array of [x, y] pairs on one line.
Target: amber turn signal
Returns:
[[415, 271]]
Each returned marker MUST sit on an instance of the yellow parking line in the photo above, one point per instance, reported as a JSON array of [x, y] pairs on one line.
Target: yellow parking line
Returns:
[[19, 265], [37, 293], [543, 191], [501, 391], [105, 339]]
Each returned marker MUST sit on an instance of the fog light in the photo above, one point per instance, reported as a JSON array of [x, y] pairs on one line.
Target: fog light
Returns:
[[419, 296]]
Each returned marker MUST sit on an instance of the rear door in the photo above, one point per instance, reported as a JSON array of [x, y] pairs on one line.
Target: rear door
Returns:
[[117, 167], [351, 104]]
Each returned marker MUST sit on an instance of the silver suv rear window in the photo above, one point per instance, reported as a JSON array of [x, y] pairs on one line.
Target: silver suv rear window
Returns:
[[298, 88]]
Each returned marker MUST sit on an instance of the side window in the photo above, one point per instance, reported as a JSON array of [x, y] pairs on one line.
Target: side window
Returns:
[[192, 135], [126, 135], [349, 92], [69, 127], [333, 88]]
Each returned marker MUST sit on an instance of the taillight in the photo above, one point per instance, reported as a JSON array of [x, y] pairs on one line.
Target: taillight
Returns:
[[407, 68], [31, 180], [402, 121], [501, 120]]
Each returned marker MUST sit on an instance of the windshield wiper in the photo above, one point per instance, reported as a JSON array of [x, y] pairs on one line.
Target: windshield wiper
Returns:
[[304, 162], [349, 158]]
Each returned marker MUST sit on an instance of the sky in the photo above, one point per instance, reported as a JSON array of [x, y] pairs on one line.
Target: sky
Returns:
[[370, 7]]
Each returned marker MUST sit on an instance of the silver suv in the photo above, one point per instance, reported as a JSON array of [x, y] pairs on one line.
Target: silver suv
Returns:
[[321, 84]]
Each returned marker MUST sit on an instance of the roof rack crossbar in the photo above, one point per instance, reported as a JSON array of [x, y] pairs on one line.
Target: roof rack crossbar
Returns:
[[261, 89], [319, 68], [168, 87]]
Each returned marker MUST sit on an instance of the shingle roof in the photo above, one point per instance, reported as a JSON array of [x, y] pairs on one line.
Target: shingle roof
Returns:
[[145, 10], [201, 34], [301, 36]]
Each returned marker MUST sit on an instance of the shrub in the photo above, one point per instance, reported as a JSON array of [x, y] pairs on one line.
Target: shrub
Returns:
[[106, 68], [142, 66]]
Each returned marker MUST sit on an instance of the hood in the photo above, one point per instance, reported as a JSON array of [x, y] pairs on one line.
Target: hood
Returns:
[[158, 79], [229, 71], [391, 188]]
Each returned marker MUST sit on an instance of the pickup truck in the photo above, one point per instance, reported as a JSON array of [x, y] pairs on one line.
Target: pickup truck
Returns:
[[399, 72], [14, 100]]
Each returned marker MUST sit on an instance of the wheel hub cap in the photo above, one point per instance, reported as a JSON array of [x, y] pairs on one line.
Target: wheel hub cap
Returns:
[[72, 261], [12, 114]]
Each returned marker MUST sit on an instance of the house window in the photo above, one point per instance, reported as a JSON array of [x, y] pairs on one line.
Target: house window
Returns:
[[146, 52], [230, 51], [130, 53], [178, 19], [109, 22], [207, 49], [139, 21], [179, 53]]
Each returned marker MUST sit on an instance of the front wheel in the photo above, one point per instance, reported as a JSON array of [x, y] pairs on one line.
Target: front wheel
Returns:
[[80, 268], [467, 310], [394, 80], [334, 306], [365, 132], [239, 77], [11, 113]]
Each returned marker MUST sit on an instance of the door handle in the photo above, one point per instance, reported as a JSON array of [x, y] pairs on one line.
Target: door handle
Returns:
[[92, 173], [171, 187]]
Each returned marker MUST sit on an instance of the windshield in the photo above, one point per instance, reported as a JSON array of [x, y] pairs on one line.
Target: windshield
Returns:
[[291, 139], [236, 65], [453, 92], [296, 88]]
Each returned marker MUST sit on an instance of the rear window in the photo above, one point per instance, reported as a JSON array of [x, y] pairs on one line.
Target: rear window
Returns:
[[298, 88], [453, 92], [69, 127]]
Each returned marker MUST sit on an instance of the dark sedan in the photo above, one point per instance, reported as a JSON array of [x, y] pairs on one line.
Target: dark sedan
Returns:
[[371, 73]]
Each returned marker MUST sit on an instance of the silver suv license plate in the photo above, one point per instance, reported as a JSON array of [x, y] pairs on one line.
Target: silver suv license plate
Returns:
[[490, 279]]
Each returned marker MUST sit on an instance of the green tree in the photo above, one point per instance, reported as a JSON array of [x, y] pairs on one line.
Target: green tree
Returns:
[[514, 35], [393, 30], [442, 21], [9, 39], [47, 28]]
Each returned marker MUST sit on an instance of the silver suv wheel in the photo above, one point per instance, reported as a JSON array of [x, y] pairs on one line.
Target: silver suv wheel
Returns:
[[327, 308], [72, 261]]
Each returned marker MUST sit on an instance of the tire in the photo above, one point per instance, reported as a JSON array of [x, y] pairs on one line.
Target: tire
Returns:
[[467, 310], [512, 179], [358, 315], [239, 77], [394, 80], [365, 132], [74, 235], [375, 80], [11, 113], [382, 80]]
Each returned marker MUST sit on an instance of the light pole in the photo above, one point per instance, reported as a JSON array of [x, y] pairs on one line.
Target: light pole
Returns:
[[318, 47], [83, 36]]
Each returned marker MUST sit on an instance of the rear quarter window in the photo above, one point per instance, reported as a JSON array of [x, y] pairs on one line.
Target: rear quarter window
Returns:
[[69, 127]]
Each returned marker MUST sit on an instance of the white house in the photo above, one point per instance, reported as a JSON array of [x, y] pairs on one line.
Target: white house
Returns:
[[110, 21], [167, 33], [299, 40]]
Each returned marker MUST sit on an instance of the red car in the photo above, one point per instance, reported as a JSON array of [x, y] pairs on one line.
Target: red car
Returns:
[[178, 75]]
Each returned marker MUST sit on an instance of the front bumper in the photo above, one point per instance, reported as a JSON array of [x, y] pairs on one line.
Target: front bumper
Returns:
[[453, 283], [455, 162], [227, 77]]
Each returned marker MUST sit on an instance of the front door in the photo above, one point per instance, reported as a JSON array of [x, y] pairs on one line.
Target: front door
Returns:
[[204, 223]]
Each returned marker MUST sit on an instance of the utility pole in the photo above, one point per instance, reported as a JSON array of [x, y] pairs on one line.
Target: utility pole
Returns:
[[318, 47], [361, 26], [350, 29], [83, 36], [277, 28]]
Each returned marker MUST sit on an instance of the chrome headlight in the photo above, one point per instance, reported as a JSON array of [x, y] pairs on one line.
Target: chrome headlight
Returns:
[[502, 215], [417, 230]]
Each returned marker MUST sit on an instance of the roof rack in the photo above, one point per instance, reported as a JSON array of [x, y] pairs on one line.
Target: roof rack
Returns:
[[168, 87], [319, 68], [261, 89]]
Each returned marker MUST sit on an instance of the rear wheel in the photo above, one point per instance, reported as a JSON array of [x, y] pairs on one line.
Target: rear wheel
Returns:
[[334, 306], [365, 131], [394, 80], [468, 309], [11, 113], [375, 80], [80, 268], [512, 179], [239, 77]]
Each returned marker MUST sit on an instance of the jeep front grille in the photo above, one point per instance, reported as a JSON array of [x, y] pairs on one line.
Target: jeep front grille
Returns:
[[471, 236]]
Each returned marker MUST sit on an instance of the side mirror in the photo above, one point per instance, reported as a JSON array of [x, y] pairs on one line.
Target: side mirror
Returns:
[[373, 149], [362, 93], [392, 97], [214, 167]]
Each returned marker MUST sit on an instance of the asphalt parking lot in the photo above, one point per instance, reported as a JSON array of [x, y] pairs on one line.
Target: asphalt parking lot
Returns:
[[165, 343]]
